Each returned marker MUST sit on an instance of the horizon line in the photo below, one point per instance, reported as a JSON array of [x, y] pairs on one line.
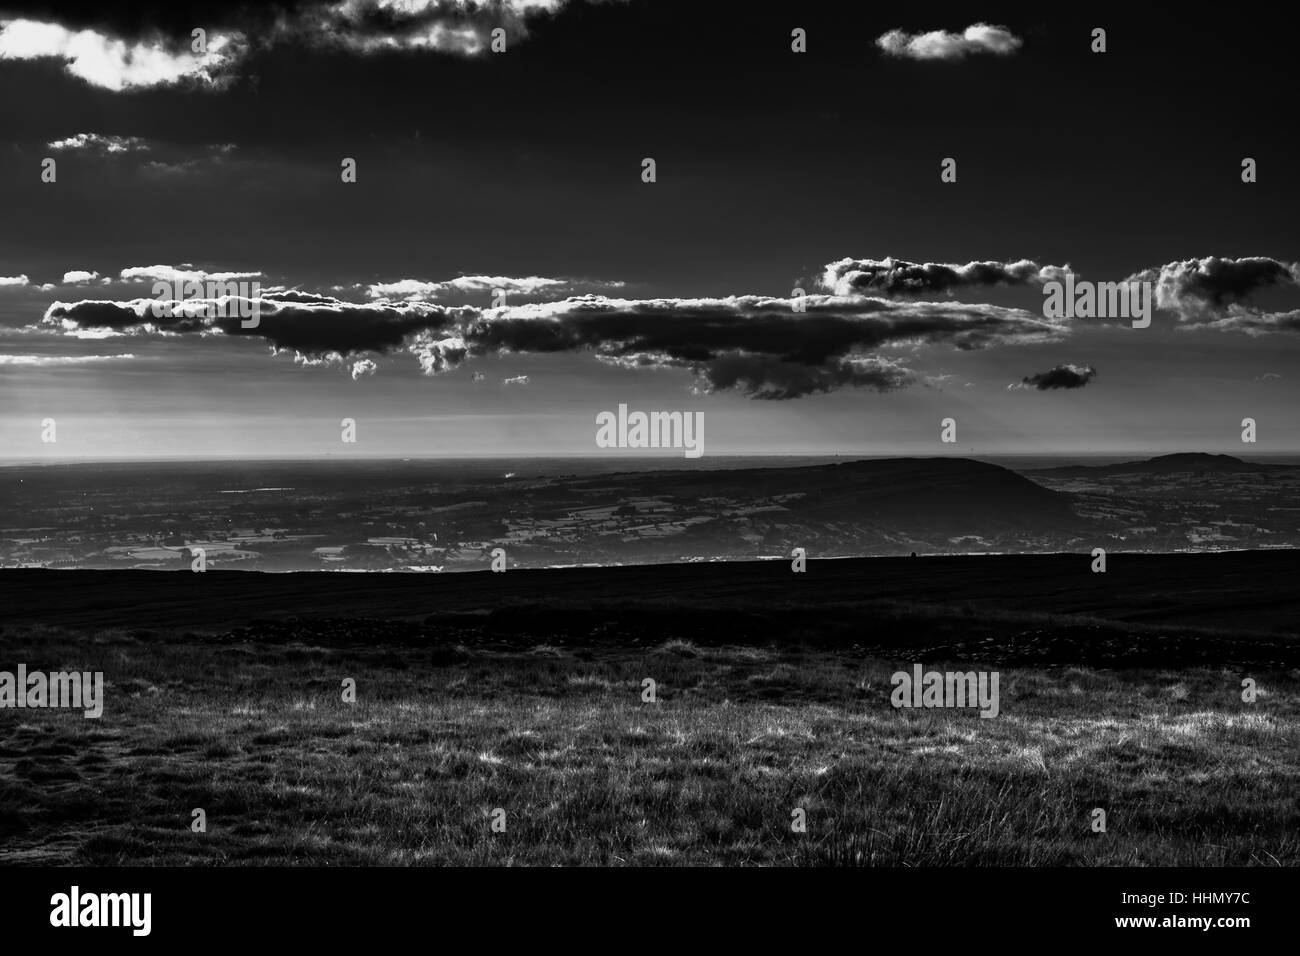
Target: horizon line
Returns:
[[673, 459]]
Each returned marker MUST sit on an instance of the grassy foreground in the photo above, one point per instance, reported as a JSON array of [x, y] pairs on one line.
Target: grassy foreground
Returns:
[[448, 729]]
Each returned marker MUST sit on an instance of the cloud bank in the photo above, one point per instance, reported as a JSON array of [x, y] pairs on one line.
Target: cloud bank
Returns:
[[765, 347], [892, 276]]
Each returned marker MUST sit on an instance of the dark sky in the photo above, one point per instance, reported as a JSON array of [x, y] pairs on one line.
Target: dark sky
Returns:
[[527, 164]]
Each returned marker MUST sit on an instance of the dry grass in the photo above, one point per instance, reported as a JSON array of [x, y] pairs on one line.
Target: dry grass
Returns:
[[587, 773]]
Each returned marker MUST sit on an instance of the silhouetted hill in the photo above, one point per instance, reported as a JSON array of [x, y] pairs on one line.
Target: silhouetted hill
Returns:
[[1178, 463], [1196, 461], [948, 496]]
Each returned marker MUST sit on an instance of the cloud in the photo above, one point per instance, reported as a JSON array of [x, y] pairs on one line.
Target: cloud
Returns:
[[44, 361], [297, 295], [754, 344], [115, 64], [516, 380], [209, 156], [1060, 376], [1267, 377], [937, 382], [438, 350], [80, 277], [447, 26], [942, 45], [758, 345], [142, 48], [1253, 322], [892, 277], [421, 290], [315, 332], [185, 273], [765, 377], [1215, 291], [165, 159], [363, 367], [14, 280], [98, 143]]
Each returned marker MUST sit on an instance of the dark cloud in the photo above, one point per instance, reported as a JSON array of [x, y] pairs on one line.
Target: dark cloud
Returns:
[[758, 345], [313, 330], [94, 314], [297, 295], [697, 329], [764, 347], [1062, 376], [899, 277], [1204, 289]]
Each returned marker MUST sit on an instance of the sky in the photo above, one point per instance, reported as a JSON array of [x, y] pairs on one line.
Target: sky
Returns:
[[500, 271]]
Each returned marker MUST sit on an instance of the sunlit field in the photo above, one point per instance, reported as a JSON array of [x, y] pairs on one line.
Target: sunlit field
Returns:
[[452, 724]]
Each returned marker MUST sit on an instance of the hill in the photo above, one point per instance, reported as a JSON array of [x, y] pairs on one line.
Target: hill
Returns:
[[924, 496], [1178, 463]]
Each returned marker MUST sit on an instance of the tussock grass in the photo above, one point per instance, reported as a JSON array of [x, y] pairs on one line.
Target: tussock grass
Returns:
[[257, 735]]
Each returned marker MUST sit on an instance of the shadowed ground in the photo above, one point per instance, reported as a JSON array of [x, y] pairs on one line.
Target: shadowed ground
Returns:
[[1248, 591], [771, 696]]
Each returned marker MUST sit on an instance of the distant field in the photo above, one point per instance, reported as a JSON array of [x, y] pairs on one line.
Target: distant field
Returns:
[[543, 718]]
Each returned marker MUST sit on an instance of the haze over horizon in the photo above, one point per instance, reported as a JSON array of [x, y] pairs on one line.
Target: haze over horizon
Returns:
[[642, 459]]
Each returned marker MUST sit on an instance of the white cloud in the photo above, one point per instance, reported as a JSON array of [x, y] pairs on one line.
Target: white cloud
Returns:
[[185, 274], [115, 64], [100, 143], [890, 276], [79, 277], [1215, 287], [942, 45], [14, 280], [41, 361], [356, 26], [374, 26], [416, 290]]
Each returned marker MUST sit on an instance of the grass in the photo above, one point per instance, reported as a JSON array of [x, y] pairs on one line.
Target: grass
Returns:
[[452, 722]]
